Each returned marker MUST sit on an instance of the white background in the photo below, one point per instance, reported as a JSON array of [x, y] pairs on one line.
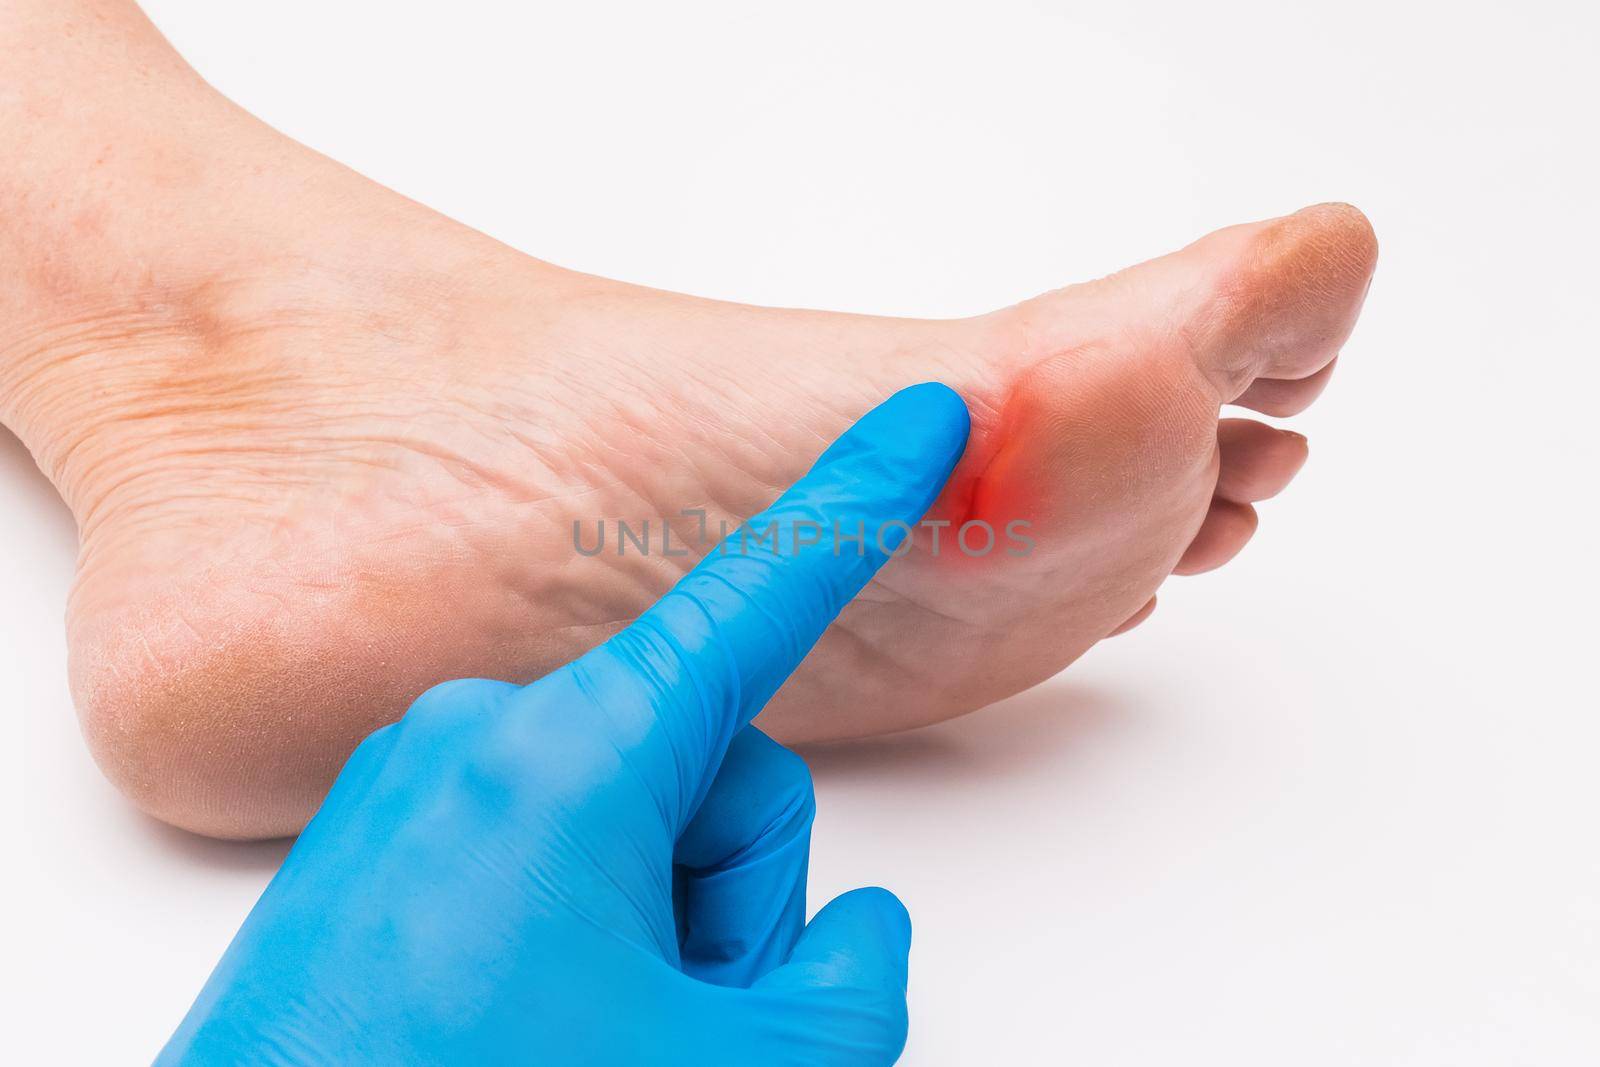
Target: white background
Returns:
[[1335, 804]]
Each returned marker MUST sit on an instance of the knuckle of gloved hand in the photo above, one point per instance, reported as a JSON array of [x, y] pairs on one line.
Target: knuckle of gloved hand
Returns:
[[373, 745], [446, 707]]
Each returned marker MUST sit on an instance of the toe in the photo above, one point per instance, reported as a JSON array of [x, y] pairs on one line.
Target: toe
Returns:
[[1227, 526], [1136, 618], [1281, 297], [1257, 460], [1285, 396]]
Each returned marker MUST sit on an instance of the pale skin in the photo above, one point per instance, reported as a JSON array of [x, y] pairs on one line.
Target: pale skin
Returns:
[[325, 447]]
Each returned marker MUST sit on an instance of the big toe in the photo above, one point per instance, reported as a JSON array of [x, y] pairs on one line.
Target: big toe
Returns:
[[1274, 302]]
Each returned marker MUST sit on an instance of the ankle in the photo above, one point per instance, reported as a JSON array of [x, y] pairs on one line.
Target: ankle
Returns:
[[99, 118], [104, 127]]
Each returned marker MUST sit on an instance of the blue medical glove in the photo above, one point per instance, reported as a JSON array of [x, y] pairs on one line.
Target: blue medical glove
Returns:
[[606, 866]]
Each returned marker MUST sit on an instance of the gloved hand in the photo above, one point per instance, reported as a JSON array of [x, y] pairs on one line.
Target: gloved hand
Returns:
[[606, 866]]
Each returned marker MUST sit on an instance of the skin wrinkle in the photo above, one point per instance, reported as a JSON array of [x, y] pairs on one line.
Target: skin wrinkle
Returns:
[[679, 453], [898, 669]]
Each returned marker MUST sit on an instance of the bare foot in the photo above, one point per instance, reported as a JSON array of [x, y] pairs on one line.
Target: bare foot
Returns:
[[327, 448]]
